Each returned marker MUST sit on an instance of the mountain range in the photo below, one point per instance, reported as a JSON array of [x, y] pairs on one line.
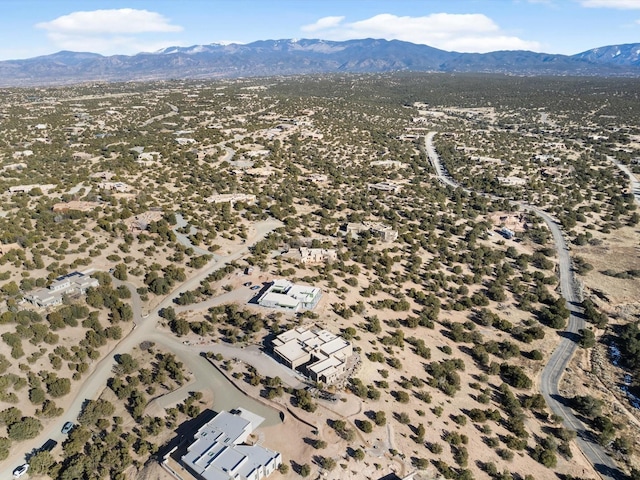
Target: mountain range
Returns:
[[309, 56]]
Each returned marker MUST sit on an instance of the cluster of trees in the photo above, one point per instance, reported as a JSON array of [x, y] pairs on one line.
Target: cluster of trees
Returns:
[[162, 284], [205, 290], [19, 427], [444, 375]]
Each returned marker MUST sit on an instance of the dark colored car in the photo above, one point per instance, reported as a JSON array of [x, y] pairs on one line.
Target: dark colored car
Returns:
[[48, 445]]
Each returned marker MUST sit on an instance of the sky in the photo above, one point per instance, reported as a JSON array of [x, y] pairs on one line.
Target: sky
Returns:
[[30, 28]]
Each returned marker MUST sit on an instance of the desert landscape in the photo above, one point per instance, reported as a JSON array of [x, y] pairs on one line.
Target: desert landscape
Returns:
[[454, 236]]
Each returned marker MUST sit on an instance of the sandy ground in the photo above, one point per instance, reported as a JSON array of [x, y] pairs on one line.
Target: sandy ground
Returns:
[[618, 252]]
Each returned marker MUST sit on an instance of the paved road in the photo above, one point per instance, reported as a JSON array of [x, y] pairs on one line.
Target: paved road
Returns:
[[557, 363], [174, 111], [633, 180], [435, 162], [145, 329], [183, 239]]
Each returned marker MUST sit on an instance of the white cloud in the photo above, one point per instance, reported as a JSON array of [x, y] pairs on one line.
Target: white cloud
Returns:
[[124, 31], [619, 4], [471, 32], [321, 24], [124, 20]]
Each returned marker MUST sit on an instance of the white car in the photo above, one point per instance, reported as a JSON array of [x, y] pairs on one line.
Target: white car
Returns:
[[21, 470]]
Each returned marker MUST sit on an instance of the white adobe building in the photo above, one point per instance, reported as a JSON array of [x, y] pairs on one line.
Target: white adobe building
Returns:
[[231, 198], [385, 187], [218, 451], [70, 284], [317, 255], [384, 232], [284, 294], [115, 186], [320, 353]]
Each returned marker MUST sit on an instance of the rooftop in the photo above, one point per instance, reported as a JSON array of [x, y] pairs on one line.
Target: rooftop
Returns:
[[217, 452]]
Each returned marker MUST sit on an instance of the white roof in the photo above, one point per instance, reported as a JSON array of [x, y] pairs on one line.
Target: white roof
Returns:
[[280, 299], [291, 350], [334, 346], [303, 292], [325, 365], [215, 453]]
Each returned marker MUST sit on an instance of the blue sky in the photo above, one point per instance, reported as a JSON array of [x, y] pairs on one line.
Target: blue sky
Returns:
[[38, 27]]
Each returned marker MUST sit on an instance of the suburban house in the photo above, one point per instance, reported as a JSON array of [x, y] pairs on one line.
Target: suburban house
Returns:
[[384, 232], [317, 177], [231, 198], [512, 180], [387, 163], [385, 187], [141, 222], [317, 255], [318, 353], [284, 294], [115, 186], [74, 283], [218, 451]]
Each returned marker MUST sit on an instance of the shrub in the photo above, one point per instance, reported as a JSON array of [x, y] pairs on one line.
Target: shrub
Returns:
[[24, 429]]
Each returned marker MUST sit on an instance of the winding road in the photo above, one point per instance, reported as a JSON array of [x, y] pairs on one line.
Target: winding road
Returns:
[[557, 363], [633, 180], [204, 375]]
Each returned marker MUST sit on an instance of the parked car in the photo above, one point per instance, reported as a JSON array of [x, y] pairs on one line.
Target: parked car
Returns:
[[67, 427], [48, 445], [247, 284], [21, 470], [255, 287]]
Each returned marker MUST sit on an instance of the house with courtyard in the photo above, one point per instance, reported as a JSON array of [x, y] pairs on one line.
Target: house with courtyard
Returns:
[[282, 293], [309, 256], [319, 354], [384, 232]]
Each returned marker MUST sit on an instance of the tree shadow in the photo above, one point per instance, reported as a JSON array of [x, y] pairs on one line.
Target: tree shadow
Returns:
[[185, 432], [574, 337]]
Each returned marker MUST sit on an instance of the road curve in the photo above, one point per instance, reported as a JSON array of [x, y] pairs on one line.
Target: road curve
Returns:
[[144, 329], [633, 180], [557, 363]]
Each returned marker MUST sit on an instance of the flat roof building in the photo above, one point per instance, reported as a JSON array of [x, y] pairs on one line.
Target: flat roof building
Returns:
[[384, 232], [218, 451], [385, 187], [320, 354], [284, 294], [74, 283], [317, 255], [115, 186], [231, 198]]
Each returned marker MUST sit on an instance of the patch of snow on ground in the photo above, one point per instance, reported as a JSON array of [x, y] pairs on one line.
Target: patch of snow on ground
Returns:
[[615, 355]]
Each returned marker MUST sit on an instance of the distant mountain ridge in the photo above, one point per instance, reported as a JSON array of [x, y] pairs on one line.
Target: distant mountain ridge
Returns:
[[627, 54], [309, 56]]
